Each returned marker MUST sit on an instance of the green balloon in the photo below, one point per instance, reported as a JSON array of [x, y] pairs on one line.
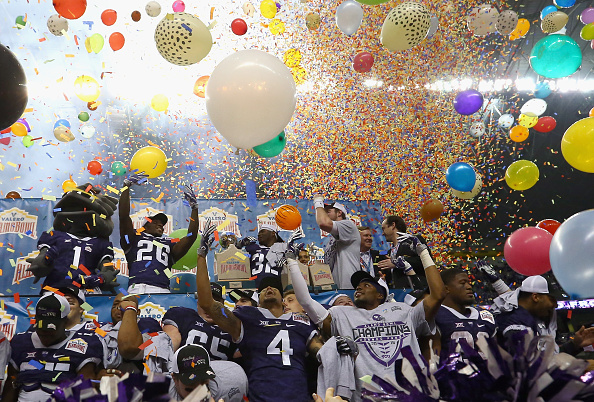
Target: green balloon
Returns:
[[587, 32], [28, 141], [372, 2], [83, 116], [556, 56], [273, 147], [188, 261], [118, 168]]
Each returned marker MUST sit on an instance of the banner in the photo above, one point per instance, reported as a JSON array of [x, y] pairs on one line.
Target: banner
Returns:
[[22, 221]]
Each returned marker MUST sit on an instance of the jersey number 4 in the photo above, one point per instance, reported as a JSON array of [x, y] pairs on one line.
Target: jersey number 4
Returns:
[[281, 345], [145, 251]]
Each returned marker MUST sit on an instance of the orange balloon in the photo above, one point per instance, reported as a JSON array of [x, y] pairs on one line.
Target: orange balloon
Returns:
[[431, 210], [200, 86], [592, 112], [116, 41], [109, 17], [13, 195], [70, 9], [522, 29], [288, 217], [19, 129], [518, 133]]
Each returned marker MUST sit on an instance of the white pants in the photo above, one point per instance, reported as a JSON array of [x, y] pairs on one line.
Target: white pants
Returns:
[[143, 288]]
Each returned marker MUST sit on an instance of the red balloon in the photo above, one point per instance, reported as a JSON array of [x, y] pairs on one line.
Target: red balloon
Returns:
[[70, 9], [363, 62], [116, 41], [545, 124], [5, 136], [239, 26], [526, 251], [94, 168], [109, 17], [550, 225]]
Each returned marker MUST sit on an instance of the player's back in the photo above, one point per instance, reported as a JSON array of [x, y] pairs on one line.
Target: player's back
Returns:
[[274, 349]]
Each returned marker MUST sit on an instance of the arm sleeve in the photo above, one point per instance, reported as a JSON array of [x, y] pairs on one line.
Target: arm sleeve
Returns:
[[345, 230], [4, 354], [417, 315], [316, 312]]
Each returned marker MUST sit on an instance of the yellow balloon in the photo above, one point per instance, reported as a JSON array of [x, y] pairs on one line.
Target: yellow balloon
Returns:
[[160, 103], [149, 160], [96, 42], [292, 58], [528, 120], [86, 88], [577, 145], [268, 9], [19, 129], [276, 27], [521, 175], [299, 74], [68, 185]]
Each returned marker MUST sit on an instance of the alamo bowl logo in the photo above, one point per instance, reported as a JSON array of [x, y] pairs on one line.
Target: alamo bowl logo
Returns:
[[8, 324], [17, 221], [383, 340], [152, 310], [20, 270]]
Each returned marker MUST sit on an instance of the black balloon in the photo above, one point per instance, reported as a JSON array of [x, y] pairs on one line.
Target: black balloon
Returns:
[[13, 88]]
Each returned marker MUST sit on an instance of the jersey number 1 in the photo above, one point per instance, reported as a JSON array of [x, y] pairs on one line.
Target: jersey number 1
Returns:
[[281, 339]]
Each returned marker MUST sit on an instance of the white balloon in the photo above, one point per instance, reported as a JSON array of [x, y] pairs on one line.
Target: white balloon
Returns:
[[57, 24], [434, 27], [250, 98], [467, 195], [87, 131], [477, 129], [562, 31], [405, 26], [482, 20], [349, 15], [506, 121], [153, 8], [536, 106], [183, 40]]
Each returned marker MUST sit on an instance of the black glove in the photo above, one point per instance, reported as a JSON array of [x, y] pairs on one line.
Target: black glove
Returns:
[[488, 270], [39, 266], [109, 275], [346, 346], [191, 197], [245, 241], [413, 242], [207, 238], [136, 178]]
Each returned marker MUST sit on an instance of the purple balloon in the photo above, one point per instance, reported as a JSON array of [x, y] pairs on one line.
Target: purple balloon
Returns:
[[587, 16], [468, 102]]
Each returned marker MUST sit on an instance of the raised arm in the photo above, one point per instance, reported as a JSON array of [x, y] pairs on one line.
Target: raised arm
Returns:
[[436, 286], [129, 336], [322, 217], [222, 316], [183, 246], [126, 227]]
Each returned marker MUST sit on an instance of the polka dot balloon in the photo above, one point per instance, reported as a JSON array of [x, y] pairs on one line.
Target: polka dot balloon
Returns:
[[507, 22], [554, 22], [57, 24], [182, 39], [406, 26], [482, 20]]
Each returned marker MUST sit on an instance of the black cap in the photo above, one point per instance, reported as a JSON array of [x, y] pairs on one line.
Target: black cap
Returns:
[[361, 276], [192, 364], [237, 294], [217, 292], [271, 281], [160, 217], [51, 310]]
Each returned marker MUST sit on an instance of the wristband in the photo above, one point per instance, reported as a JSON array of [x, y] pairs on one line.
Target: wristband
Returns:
[[319, 204], [130, 308], [426, 259]]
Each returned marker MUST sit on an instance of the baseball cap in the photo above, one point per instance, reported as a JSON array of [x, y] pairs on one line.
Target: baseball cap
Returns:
[[336, 296], [237, 294], [271, 281], [192, 364], [361, 276], [415, 295], [535, 284], [51, 309], [266, 226], [76, 292], [217, 292], [336, 205], [160, 217]]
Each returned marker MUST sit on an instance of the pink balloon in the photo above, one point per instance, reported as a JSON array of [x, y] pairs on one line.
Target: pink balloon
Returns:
[[526, 251], [363, 62], [179, 6]]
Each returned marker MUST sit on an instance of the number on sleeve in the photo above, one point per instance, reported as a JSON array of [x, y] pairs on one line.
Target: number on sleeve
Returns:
[[281, 339]]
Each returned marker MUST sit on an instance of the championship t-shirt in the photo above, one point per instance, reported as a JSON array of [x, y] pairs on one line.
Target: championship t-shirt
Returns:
[[381, 334], [343, 252]]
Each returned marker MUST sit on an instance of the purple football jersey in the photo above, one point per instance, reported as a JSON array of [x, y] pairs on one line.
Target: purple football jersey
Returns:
[[148, 257], [454, 326]]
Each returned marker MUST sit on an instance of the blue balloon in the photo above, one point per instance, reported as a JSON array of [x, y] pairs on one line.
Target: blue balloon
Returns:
[[564, 3], [572, 255], [62, 122], [542, 90], [547, 10], [461, 176], [556, 56], [468, 102]]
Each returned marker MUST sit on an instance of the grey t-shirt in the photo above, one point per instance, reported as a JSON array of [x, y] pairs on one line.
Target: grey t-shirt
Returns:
[[4, 353], [343, 252], [381, 333]]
